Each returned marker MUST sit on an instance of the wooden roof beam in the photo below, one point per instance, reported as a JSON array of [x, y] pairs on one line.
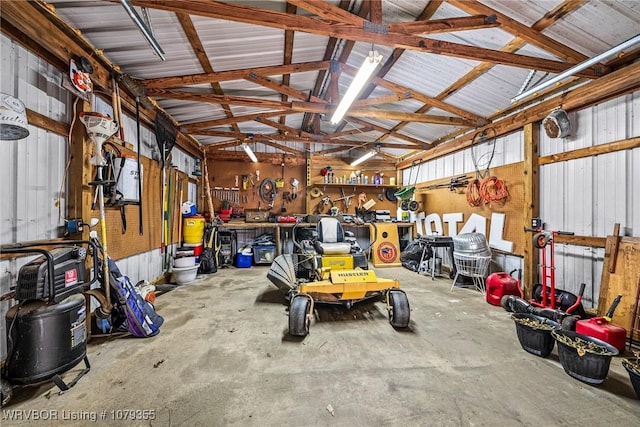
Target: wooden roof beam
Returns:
[[383, 114], [269, 18], [435, 26], [196, 44], [239, 74], [287, 56], [235, 119], [524, 32], [549, 19]]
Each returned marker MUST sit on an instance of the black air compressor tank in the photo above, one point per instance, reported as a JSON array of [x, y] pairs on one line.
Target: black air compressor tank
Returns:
[[45, 339]]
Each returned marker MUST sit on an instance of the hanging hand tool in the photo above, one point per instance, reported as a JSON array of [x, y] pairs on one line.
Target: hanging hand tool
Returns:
[[245, 181], [253, 185], [294, 186], [346, 200], [280, 181]]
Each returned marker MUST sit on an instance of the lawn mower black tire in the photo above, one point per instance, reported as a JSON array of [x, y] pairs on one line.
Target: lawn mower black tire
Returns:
[[399, 311], [299, 316], [569, 323]]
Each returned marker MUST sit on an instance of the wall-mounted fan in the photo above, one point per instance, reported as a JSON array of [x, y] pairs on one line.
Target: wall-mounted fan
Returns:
[[557, 124]]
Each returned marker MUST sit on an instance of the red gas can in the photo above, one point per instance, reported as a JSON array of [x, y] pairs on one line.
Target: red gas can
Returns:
[[500, 284], [600, 328]]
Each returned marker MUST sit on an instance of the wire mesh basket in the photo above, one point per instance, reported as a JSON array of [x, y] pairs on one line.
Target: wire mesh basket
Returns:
[[474, 266], [471, 265]]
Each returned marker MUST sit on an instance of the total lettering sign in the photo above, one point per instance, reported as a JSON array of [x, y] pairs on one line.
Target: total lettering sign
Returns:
[[434, 225]]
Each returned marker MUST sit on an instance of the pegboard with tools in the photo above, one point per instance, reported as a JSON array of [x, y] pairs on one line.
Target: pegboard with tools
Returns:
[[238, 185], [230, 195]]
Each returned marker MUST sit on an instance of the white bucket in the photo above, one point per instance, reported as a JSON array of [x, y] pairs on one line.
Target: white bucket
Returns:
[[184, 275], [185, 261]]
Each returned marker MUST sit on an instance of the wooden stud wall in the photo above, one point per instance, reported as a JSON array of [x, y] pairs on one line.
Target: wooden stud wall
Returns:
[[530, 209]]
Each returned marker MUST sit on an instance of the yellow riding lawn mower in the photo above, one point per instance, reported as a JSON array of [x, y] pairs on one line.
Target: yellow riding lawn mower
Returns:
[[329, 267]]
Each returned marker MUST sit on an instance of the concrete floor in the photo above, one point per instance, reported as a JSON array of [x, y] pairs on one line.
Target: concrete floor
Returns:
[[223, 357]]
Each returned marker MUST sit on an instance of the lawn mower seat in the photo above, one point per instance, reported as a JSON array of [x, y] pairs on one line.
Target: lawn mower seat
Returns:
[[330, 240]]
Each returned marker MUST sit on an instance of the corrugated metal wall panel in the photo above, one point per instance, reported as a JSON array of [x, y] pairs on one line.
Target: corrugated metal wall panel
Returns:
[[31, 169], [588, 196]]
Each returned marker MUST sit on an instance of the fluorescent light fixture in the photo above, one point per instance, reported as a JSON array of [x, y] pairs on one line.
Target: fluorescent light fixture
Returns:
[[361, 78], [143, 28], [578, 67], [366, 156], [249, 152]]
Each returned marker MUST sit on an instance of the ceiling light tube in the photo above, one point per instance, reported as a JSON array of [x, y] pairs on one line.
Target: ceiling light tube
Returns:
[[578, 67], [143, 28], [365, 156], [361, 78], [250, 153]]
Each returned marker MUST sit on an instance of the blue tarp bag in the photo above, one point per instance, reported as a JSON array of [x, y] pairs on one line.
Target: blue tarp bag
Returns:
[[137, 316]]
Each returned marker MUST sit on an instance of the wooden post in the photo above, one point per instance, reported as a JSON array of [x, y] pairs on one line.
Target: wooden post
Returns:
[[531, 204]]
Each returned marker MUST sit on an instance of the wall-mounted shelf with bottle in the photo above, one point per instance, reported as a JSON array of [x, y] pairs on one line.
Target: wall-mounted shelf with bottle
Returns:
[[354, 185]]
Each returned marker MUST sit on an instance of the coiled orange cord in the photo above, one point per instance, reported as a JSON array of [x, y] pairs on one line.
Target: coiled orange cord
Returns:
[[493, 190], [473, 193]]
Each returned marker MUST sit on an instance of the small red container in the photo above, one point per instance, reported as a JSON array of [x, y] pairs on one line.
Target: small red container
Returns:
[[500, 284], [600, 328]]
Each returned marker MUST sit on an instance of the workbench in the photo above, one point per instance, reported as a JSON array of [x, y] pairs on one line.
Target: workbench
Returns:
[[404, 229]]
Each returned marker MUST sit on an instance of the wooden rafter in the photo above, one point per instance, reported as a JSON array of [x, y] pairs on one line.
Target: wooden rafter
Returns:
[[284, 129], [522, 31], [282, 147], [269, 18], [238, 137], [383, 114], [309, 107], [356, 121], [284, 89], [435, 26], [549, 19], [239, 74], [196, 44], [419, 96], [236, 119]]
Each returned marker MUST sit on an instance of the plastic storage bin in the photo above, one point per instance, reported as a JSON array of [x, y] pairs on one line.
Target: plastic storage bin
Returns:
[[263, 254]]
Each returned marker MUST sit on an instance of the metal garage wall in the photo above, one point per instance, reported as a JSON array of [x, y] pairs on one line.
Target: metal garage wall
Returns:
[[585, 196], [31, 169], [588, 196], [508, 149]]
